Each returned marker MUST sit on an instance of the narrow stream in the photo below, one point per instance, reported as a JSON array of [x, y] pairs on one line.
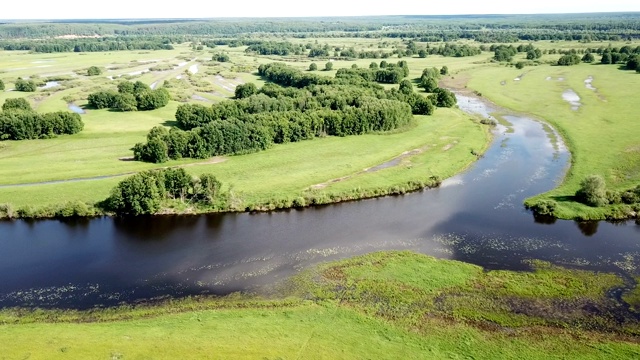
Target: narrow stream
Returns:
[[476, 217]]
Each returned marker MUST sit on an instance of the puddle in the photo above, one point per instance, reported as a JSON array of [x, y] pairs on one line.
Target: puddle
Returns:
[[193, 69], [49, 85], [572, 98], [75, 108], [588, 85]]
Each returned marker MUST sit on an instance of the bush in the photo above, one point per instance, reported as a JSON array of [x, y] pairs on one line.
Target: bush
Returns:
[[1, 84], [94, 71], [16, 104], [313, 67], [544, 207], [25, 85], [593, 191]]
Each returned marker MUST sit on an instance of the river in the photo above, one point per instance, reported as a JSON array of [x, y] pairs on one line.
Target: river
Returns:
[[476, 217]]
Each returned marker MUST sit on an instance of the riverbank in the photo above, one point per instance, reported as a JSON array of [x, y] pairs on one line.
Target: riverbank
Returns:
[[321, 171], [599, 132], [401, 303]]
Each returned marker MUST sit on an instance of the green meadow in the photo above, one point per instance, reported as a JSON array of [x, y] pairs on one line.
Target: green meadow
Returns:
[[394, 305], [601, 134], [440, 144]]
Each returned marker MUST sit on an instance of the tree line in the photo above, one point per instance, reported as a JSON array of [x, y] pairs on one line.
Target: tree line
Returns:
[[18, 121], [85, 45]]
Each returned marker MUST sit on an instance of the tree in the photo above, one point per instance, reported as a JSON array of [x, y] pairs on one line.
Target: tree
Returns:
[[406, 87], [1, 85], [568, 60], [588, 58], [94, 71], [444, 70], [16, 104], [313, 67], [221, 57], [25, 85], [520, 65], [328, 66], [373, 65], [444, 98], [245, 90], [606, 58], [633, 63], [125, 87], [102, 99], [136, 195], [125, 102], [206, 188], [422, 53], [593, 191], [429, 84]]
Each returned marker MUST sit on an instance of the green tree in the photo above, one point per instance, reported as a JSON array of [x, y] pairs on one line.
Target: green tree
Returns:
[[429, 84], [1, 85], [588, 58], [373, 65], [569, 59], [25, 85], [245, 90], [125, 102], [593, 191], [206, 188], [221, 57], [313, 67], [444, 98], [422, 53], [16, 104], [136, 195], [102, 99], [94, 71], [125, 87], [406, 87], [444, 70], [328, 66], [606, 58]]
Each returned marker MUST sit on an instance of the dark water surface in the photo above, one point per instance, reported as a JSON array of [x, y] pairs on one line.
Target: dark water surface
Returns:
[[475, 217]]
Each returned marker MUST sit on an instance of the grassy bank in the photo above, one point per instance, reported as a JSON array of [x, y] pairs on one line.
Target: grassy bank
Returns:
[[601, 134], [381, 305]]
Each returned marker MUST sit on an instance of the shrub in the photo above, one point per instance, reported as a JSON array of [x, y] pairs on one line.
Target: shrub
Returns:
[[94, 71], [16, 104], [25, 85], [544, 207], [593, 191]]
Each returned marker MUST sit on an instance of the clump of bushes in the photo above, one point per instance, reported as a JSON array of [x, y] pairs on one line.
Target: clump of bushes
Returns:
[[593, 192], [19, 122], [130, 97], [26, 85], [146, 192]]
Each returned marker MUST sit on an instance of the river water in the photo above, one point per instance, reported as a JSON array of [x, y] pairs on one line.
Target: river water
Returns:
[[475, 217]]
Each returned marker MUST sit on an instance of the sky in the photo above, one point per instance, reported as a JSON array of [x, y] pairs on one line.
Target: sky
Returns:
[[124, 9]]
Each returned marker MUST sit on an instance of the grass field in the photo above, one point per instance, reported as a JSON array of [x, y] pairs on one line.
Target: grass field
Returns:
[[601, 134], [394, 305], [285, 172]]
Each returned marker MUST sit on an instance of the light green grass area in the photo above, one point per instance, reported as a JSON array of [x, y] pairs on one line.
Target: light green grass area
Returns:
[[602, 134], [392, 305], [287, 171]]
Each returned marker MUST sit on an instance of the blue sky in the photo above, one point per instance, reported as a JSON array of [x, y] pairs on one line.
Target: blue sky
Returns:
[[75, 9]]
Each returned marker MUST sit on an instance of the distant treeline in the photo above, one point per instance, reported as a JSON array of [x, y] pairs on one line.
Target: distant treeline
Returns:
[[482, 28], [305, 106], [86, 45], [19, 122]]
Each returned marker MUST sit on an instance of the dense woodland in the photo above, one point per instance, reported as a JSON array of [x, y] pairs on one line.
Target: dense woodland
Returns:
[[294, 106]]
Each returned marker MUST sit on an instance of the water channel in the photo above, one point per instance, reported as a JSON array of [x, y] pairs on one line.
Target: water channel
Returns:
[[475, 217]]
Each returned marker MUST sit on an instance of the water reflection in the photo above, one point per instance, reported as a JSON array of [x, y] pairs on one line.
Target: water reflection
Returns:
[[475, 217]]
